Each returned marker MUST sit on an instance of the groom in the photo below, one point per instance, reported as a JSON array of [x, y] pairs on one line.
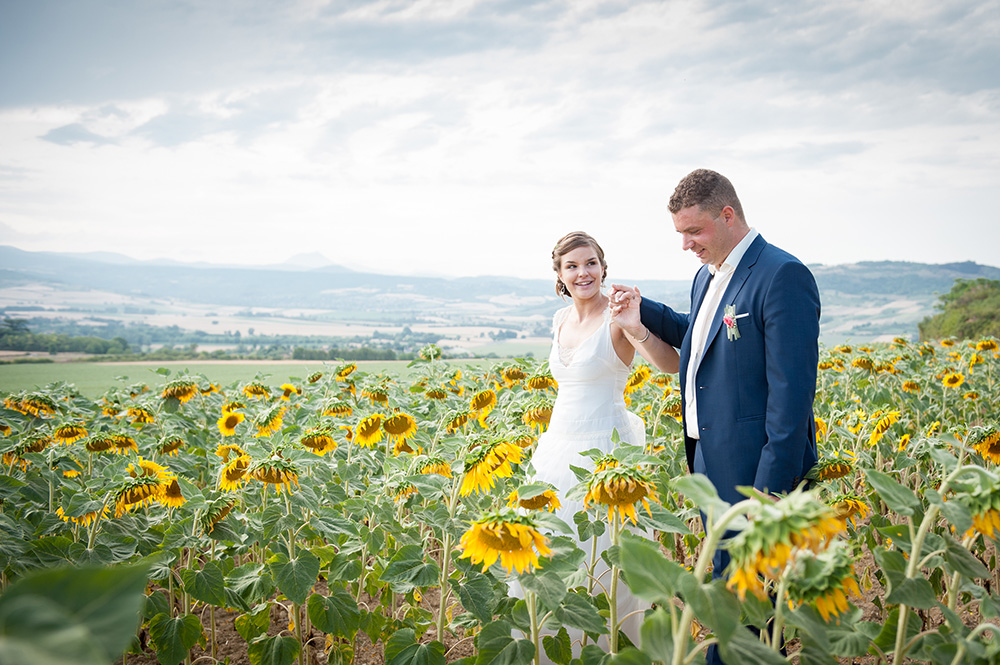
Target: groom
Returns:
[[748, 348]]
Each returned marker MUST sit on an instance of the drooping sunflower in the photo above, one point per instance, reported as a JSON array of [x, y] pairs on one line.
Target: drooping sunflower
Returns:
[[233, 406], [180, 389], [821, 427], [141, 415], [864, 363], [227, 450], [84, 519], [136, 493], [972, 395], [436, 393], [620, 488], [504, 535], [483, 402], [111, 410], [831, 468], [287, 390], [143, 468], [314, 377], [345, 370], [376, 394], [823, 580], [546, 500], [911, 387], [882, 426], [512, 374], [99, 442], [776, 531], [171, 495], [275, 471], [399, 426], [269, 421], [487, 461], [256, 390], [824, 365], [436, 465], [68, 433], [319, 440], [228, 422], [5, 429], [843, 348], [988, 345], [122, 443], [543, 381], [233, 474], [33, 404], [987, 444], [457, 422], [171, 445], [947, 343], [850, 507], [637, 378], [216, 512], [210, 389], [953, 380], [538, 414], [369, 431], [337, 408]]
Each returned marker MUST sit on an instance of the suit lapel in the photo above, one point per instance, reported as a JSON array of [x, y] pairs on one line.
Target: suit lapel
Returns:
[[734, 287]]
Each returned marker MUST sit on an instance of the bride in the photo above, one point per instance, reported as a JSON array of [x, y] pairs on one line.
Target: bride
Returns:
[[590, 359]]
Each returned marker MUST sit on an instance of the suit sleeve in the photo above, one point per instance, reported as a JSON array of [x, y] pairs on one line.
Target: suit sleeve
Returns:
[[662, 321], [791, 313]]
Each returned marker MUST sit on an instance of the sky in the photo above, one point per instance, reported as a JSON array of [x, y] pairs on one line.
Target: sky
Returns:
[[465, 137]]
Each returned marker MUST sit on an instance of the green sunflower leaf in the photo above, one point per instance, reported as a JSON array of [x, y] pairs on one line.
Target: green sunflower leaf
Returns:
[[403, 649], [497, 647], [207, 585], [658, 636], [295, 577], [173, 637], [900, 499], [336, 614], [274, 651]]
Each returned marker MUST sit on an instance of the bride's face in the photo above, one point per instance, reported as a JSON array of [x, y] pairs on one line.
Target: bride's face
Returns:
[[581, 271]]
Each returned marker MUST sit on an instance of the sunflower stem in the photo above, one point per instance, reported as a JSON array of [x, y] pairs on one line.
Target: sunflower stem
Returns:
[[529, 598], [616, 531]]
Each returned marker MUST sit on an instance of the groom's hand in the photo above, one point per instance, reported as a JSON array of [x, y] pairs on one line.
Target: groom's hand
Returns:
[[623, 301]]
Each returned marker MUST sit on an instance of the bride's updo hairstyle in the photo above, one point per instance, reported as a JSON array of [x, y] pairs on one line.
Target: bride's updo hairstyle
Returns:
[[567, 244]]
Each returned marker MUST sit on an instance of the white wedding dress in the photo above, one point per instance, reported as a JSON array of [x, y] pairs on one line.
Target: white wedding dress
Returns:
[[589, 405]]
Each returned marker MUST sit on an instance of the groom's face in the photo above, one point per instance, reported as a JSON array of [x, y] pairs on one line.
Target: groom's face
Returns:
[[706, 235]]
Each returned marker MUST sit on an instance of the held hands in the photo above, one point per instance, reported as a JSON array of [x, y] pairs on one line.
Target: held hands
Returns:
[[623, 301]]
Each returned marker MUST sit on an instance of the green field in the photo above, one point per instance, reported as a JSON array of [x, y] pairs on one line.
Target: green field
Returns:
[[93, 379]]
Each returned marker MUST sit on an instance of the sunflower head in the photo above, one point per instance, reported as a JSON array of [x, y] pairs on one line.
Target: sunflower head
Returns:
[[137, 492], [287, 390], [882, 425], [541, 381], [850, 507], [986, 442], [488, 460], [620, 488], [122, 443], [543, 500], [482, 403], [537, 413], [823, 580], [637, 378], [337, 407], [233, 474], [314, 377], [180, 389], [275, 471], [171, 445], [99, 442], [141, 415], [512, 374], [953, 380], [504, 535], [68, 433], [369, 431], [832, 468], [345, 371], [269, 421], [436, 465], [911, 386], [256, 390], [400, 426], [228, 422], [319, 440], [436, 393], [171, 495]]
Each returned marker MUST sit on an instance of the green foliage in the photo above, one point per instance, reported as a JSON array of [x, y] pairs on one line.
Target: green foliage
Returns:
[[971, 310]]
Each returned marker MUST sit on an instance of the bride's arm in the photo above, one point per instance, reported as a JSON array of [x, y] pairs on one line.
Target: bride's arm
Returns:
[[625, 315]]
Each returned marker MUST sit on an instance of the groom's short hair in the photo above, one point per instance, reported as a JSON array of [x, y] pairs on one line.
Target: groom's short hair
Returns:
[[707, 189]]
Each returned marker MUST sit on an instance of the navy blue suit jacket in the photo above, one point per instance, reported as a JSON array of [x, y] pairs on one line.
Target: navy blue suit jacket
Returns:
[[755, 393]]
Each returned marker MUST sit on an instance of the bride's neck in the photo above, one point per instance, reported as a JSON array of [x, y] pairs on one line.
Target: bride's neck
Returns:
[[586, 309]]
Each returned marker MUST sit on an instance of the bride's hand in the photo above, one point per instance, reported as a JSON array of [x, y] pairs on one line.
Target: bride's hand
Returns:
[[623, 301]]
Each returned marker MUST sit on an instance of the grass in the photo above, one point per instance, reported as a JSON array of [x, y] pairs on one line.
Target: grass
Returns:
[[94, 379]]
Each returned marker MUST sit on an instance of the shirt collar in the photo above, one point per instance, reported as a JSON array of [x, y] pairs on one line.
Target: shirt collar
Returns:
[[736, 255]]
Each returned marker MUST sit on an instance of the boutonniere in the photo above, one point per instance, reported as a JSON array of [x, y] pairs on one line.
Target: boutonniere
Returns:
[[729, 318]]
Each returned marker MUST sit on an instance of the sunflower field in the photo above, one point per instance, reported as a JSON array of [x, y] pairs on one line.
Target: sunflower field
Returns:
[[354, 507]]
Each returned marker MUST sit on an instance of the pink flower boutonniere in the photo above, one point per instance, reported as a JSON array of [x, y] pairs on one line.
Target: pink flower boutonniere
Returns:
[[729, 318]]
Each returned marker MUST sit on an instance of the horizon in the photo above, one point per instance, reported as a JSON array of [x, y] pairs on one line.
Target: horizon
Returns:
[[463, 137]]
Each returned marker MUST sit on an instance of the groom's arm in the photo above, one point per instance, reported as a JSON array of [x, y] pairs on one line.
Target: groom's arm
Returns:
[[791, 349], [664, 322]]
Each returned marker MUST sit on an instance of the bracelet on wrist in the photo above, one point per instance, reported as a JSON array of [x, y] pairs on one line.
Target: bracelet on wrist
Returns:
[[644, 338]]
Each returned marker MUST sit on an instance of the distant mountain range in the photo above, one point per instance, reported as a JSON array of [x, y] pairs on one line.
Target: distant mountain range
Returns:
[[860, 300]]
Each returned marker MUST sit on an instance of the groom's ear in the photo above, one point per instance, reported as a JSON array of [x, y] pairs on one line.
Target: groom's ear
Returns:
[[729, 214]]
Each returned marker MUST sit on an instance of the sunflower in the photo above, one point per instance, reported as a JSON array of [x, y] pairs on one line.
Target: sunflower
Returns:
[[843, 348], [345, 370], [33, 404], [137, 492], [404, 493], [824, 365], [68, 433], [458, 422], [605, 462], [987, 444], [256, 390], [911, 387], [987, 523], [216, 512], [436, 393], [143, 468], [337, 408], [538, 417], [882, 426], [821, 427], [227, 450], [319, 441], [512, 375], [541, 382], [775, 533], [486, 462], [547, 500], [904, 441], [228, 422], [514, 539], [234, 473], [233, 406], [315, 377], [171, 495], [436, 465], [972, 395], [832, 468], [211, 389], [275, 471], [84, 519], [953, 380], [111, 410], [863, 363], [171, 445], [5, 429], [287, 390], [823, 580], [430, 352], [850, 507], [369, 431], [122, 443], [988, 345], [141, 415], [482, 404], [270, 421], [947, 343], [399, 426], [638, 377], [99, 442], [180, 389], [620, 488], [376, 395]]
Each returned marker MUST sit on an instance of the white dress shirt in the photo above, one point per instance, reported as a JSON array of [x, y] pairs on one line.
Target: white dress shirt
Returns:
[[703, 321]]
